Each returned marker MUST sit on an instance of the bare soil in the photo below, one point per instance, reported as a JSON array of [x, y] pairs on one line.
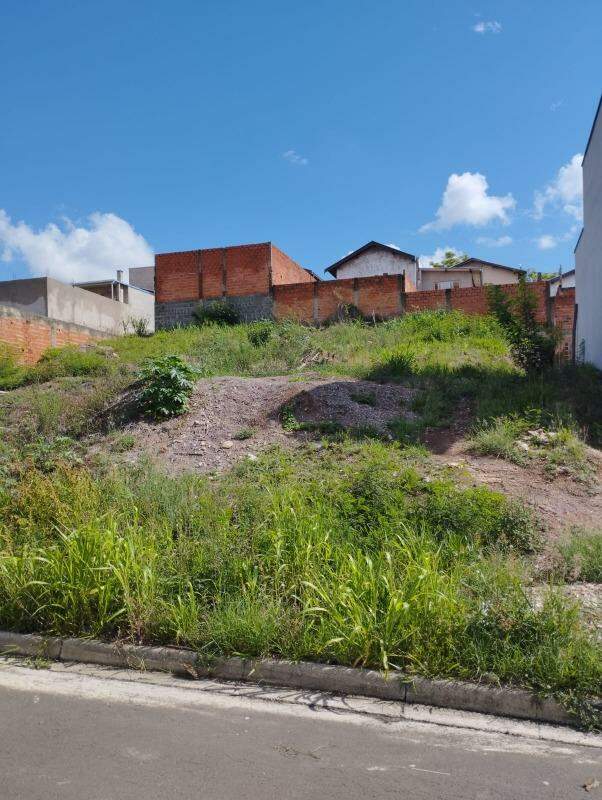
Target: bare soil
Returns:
[[205, 439]]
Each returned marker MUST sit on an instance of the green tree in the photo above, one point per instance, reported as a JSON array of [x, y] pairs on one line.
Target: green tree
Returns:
[[450, 259]]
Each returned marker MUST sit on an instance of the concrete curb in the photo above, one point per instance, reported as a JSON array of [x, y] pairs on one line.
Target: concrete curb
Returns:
[[504, 702]]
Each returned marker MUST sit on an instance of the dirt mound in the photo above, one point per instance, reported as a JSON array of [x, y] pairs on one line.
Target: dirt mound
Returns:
[[354, 404], [233, 418]]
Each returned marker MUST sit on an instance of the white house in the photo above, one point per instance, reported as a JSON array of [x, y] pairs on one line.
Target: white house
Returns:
[[375, 259], [588, 253], [492, 273], [566, 280]]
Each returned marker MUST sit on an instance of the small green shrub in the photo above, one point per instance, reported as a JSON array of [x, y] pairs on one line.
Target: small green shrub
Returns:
[[168, 383], [218, 312], [395, 362], [123, 443], [260, 332], [11, 374], [243, 434], [139, 325]]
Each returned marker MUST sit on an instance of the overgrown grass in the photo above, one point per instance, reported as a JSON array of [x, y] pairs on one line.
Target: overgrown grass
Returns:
[[56, 362], [578, 557], [527, 439], [348, 556]]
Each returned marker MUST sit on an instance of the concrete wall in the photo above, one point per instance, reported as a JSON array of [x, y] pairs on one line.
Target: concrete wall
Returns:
[[73, 304], [142, 277], [588, 255], [29, 335], [28, 294], [431, 277], [377, 261], [76, 305]]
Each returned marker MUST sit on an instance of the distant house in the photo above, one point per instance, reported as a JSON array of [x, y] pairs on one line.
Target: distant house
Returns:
[[375, 258], [448, 278], [588, 253], [491, 273], [564, 281]]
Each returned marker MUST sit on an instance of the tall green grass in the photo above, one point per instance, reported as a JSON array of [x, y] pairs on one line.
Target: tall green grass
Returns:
[[347, 556]]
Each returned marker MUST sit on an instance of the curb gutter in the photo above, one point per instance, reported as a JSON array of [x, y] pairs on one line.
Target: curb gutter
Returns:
[[504, 702]]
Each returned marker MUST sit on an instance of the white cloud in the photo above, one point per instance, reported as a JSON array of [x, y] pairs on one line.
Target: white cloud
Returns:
[[438, 256], [493, 26], [565, 191], [547, 242], [556, 105], [71, 253], [501, 241], [466, 202], [294, 158]]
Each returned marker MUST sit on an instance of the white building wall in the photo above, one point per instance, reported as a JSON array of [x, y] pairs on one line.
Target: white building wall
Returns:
[[567, 282], [378, 262], [588, 255], [431, 278], [495, 275]]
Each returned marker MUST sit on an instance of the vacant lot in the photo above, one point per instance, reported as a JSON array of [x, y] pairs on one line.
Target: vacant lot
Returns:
[[394, 495]]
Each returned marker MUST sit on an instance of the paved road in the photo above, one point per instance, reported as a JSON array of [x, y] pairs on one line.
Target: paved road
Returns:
[[78, 735]]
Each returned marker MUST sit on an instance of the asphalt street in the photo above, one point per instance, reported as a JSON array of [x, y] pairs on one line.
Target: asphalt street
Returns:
[[75, 735]]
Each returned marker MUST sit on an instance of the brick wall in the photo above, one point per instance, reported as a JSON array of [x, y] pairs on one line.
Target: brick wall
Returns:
[[563, 315], [285, 270], [385, 296], [30, 335], [176, 276], [238, 271]]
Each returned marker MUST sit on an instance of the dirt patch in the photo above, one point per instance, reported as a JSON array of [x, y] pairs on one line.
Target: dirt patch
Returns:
[[354, 404], [559, 503], [223, 410]]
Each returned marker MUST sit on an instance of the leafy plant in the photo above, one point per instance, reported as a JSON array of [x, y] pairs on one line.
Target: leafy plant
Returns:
[[168, 383], [218, 312], [244, 433], [139, 325], [260, 332], [532, 345]]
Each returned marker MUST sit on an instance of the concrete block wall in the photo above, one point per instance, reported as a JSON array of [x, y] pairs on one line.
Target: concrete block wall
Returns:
[[29, 335]]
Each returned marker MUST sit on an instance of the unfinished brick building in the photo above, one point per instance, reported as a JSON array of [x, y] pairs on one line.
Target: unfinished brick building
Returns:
[[245, 274]]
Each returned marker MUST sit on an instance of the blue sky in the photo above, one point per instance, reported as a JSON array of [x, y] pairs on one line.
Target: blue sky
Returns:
[[150, 126]]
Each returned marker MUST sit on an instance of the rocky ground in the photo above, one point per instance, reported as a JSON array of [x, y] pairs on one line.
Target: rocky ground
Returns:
[[233, 418]]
